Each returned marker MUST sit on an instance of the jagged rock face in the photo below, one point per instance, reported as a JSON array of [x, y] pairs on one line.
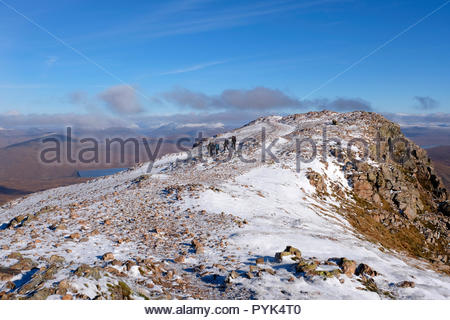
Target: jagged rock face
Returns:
[[392, 179], [403, 176]]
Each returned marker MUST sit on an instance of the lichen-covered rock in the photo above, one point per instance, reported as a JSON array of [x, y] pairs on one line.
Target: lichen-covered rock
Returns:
[[121, 291], [279, 255], [306, 266], [288, 251], [56, 259], [15, 255], [87, 271]]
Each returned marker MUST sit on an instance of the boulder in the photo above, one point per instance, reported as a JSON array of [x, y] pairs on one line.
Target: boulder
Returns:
[[108, 256], [279, 255], [348, 266], [86, 271], [364, 269], [294, 251], [56, 259], [15, 255], [129, 264], [7, 273], [24, 264], [75, 235], [288, 251], [306, 267]]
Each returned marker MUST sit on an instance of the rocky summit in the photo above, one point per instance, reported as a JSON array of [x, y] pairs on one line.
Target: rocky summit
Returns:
[[321, 205]]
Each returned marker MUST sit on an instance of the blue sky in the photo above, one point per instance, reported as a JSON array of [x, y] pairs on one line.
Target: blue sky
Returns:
[[172, 57]]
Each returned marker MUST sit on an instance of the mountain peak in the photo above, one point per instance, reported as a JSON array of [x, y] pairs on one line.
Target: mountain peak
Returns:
[[314, 205]]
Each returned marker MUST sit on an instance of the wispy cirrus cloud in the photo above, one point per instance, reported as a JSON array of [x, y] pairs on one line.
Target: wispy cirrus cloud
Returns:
[[193, 67], [204, 19], [172, 18]]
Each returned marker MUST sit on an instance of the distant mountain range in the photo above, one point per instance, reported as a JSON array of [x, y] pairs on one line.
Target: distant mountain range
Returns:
[[21, 171], [19, 153]]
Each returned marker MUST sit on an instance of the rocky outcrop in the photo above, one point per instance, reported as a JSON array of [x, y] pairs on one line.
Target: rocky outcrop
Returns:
[[398, 185], [403, 176]]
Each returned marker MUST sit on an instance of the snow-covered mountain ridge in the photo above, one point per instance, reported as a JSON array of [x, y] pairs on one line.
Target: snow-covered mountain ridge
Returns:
[[287, 216]]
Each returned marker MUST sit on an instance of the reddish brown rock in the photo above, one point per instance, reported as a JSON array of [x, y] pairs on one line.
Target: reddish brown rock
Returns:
[[75, 235], [348, 267], [108, 256]]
